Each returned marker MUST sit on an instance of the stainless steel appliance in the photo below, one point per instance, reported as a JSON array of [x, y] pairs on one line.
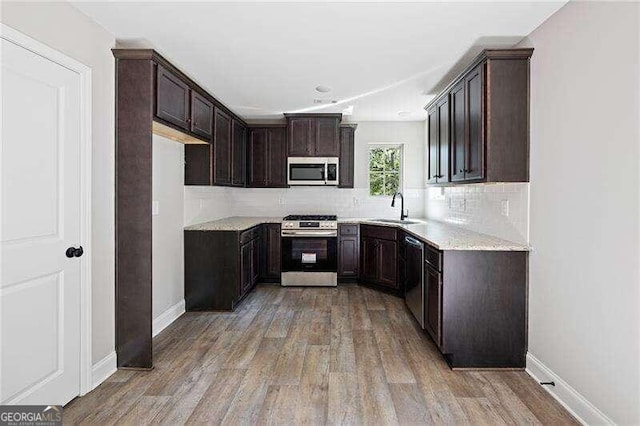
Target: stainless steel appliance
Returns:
[[414, 278], [312, 171], [309, 250]]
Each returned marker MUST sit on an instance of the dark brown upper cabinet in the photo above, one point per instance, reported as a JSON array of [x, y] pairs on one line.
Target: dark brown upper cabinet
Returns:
[[347, 155], [313, 135], [239, 154], [201, 115], [197, 164], [438, 142], [222, 148], [488, 121], [172, 99], [267, 157]]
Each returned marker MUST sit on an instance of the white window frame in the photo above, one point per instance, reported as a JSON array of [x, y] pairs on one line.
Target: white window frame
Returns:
[[383, 145]]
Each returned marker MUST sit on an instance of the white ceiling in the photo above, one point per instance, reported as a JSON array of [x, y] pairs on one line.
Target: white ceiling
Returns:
[[263, 59]]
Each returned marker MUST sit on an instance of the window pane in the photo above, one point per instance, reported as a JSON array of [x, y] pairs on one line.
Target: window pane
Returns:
[[391, 184], [376, 184], [392, 160], [376, 159]]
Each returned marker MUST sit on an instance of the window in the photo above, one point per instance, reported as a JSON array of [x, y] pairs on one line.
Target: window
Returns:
[[385, 169]]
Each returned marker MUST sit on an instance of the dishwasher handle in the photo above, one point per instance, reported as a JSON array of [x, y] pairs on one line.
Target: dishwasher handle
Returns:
[[412, 241]]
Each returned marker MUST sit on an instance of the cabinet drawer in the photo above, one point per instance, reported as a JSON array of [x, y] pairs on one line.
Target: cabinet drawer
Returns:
[[381, 232], [433, 257], [348, 229], [249, 235]]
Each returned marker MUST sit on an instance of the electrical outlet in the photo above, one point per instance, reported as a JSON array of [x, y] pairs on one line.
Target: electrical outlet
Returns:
[[504, 207], [281, 200], [155, 208]]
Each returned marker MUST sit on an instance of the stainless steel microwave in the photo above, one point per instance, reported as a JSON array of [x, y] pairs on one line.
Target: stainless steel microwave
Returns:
[[312, 170]]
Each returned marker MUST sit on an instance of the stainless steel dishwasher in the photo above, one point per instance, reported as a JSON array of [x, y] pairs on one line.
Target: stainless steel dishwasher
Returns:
[[414, 293]]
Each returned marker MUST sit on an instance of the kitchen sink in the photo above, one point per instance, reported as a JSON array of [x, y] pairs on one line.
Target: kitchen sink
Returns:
[[398, 221]]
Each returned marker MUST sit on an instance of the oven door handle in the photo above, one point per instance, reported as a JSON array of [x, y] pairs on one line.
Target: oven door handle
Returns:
[[309, 234]]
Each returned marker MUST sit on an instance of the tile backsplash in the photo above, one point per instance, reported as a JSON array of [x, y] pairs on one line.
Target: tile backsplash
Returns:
[[210, 203], [498, 209]]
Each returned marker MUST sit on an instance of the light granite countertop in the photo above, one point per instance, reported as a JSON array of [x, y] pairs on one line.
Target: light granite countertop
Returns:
[[437, 234]]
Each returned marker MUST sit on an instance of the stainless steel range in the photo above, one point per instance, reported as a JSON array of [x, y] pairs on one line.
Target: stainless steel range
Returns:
[[310, 250]]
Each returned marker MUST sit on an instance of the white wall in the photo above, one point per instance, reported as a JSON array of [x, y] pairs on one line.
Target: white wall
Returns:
[[584, 308], [167, 233], [479, 207], [64, 28], [210, 203]]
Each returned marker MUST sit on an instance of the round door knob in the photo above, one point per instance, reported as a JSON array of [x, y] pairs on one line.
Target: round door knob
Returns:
[[74, 252]]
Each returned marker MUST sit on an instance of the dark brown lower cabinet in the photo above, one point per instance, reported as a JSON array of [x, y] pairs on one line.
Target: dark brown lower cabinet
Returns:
[[379, 256], [433, 303], [476, 307], [348, 252], [220, 267], [271, 256]]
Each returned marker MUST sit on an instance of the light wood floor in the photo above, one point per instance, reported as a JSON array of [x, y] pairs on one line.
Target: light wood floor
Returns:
[[310, 355]]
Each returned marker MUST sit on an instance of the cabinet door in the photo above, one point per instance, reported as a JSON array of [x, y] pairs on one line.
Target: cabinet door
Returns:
[[433, 304], [474, 154], [443, 139], [197, 164], [238, 154], [222, 149], [258, 158], [347, 151], [369, 259], [458, 133], [432, 146], [172, 99], [277, 149], [348, 258], [246, 265], [256, 254], [201, 115], [387, 263], [301, 136], [273, 251], [327, 137]]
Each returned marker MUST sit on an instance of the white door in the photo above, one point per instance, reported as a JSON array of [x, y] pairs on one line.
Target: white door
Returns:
[[41, 201]]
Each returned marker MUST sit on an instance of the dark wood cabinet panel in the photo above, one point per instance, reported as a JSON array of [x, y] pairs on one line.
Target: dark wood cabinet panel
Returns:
[[488, 121], [258, 159], [267, 157], [432, 146], [313, 135], [327, 137], [222, 148], [302, 134], [348, 251], [238, 154], [201, 115], [387, 263], [197, 164], [474, 153], [369, 259], [172, 98], [433, 303], [273, 254], [458, 133], [277, 153], [347, 156], [246, 268], [443, 140]]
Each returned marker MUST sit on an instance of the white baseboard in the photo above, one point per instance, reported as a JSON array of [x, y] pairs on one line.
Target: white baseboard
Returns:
[[167, 317], [104, 368], [583, 410]]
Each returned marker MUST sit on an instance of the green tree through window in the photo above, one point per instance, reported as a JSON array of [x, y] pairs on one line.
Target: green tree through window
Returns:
[[384, 170]]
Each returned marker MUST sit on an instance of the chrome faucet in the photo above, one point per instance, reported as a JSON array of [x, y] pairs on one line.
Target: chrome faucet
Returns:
[[393, 204]]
